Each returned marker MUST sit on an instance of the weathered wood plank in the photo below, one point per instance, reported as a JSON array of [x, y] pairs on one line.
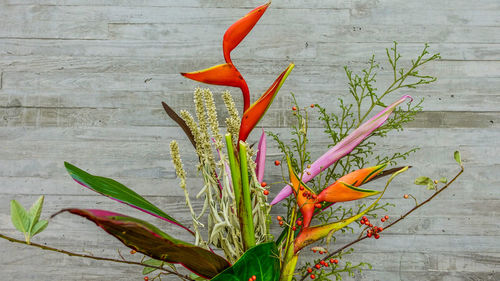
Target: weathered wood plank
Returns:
[[313, 4], [368, 11], [148, 14], [52, 29], [338, 33]]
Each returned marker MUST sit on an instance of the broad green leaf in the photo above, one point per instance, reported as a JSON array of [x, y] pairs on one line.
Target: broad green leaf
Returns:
[[443, 180], [35, 212], [117, 191], [151, 241], [431, 185], [261, 261], [39, 227], [457, 157], [153, 262], [20, 218], [422, 181]]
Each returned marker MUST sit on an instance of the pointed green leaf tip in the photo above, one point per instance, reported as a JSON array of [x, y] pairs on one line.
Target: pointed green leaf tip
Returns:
[[19, 216], [261, 261], [458, 158]]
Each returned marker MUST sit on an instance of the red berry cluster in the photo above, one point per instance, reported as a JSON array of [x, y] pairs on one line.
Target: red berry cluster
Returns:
[[318, 266], [308, 194], [374, 230], [253, 278], [264, 184], [280, 220]]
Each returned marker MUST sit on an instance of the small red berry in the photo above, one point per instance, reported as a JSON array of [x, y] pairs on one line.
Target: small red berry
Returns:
[[386, 217], [281, 222], [146, 278], [405, 196], [294, 108], [309, 270], [380, 229], [321, 252], [294, 228], [362, 221], [266, 192], [322, 262], [254, 277], [263, 184], [377, 236], [370, 225], [250, 279], [365, 218], [332, 261], [318, 266], [369, 234], [312, 105], [314, 251], [314, 196], [317, 206], [299, 223], [312, 276], [382, 219], [335, 261], [277, 162], [133, 252], [279, 218], [301, 187]]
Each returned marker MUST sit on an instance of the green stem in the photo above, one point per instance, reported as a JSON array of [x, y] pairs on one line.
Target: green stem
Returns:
[[290, 259], [235, 169], [246, 202]]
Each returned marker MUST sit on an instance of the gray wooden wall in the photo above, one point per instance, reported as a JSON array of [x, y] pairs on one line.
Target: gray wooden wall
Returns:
[[82, 81]]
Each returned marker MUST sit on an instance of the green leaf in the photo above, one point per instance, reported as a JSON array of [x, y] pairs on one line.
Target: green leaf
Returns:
[[20, 218], [117, 191], [39, 227], [261, 261], [457, 157], [423, 181], [431, 185], [151, 241], [153, 262], [34, 213], [443, 180]]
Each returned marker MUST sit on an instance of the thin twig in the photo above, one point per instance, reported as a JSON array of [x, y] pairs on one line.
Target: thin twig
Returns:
[[47, 248], [394, 222]]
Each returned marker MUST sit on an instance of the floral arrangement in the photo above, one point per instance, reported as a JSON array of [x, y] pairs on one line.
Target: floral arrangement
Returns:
[[232, 237]]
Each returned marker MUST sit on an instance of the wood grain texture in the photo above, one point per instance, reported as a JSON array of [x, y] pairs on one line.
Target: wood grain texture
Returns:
[[82, 81]]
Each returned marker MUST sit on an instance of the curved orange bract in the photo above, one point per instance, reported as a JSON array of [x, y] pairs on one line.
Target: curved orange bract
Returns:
[[255, 112], [345, 188], [240, 29]]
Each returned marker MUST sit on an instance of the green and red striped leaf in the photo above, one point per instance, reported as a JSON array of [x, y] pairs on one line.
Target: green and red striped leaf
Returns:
[[118, 192], [151, 241]]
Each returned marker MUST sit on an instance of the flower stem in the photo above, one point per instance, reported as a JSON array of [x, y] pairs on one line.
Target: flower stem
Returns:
[[246, 202]]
